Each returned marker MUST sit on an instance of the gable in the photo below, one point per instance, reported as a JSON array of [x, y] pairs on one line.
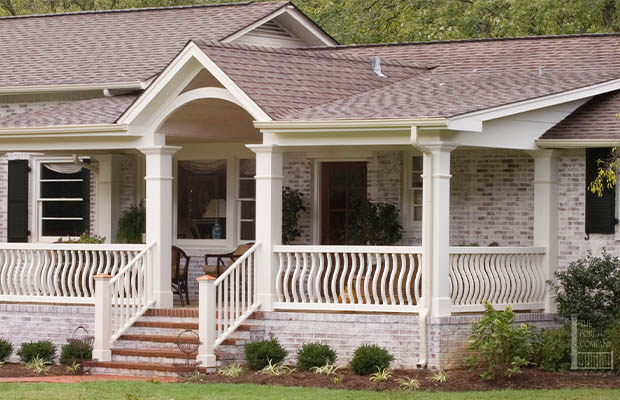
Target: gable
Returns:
[[271, 34]]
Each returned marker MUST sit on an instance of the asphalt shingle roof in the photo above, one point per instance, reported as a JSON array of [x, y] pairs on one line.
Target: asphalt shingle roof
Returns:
[[112, 46], [596, 119]]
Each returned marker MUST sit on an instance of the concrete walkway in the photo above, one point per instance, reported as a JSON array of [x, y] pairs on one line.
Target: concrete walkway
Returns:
[[84, 378]]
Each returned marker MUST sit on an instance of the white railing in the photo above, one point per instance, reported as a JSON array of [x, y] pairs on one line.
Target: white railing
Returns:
[[131, 292], [349, 278], [58, 273], [500, 275], [225, 303]]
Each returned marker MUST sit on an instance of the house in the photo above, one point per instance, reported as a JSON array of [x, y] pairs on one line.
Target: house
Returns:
[[207, 112]]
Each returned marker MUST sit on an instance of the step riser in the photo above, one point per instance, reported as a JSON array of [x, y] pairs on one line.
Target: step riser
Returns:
[[132, 372], [170, 319], [150, 360]]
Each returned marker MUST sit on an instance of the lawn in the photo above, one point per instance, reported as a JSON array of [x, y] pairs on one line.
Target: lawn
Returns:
[[150, 390]]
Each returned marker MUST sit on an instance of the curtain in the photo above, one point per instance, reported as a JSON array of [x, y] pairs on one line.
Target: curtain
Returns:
[[204, 167], [63, 168]]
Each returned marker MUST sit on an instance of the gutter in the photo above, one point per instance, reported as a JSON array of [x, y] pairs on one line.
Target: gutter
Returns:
[[64, 129], [344, 123], [12, 90], [576, 143]]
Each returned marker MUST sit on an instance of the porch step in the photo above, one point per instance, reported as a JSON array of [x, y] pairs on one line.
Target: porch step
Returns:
[[149, 346]]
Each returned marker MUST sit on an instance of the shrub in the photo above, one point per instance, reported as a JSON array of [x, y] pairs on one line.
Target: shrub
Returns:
[[612, 335], [314, 355], [43, 349], [75, 351], [368, 359], [132, 224], [6, 349], [590, 288], [374, 223], [498, 345], [552, 349], [259, 354], [292, 206]]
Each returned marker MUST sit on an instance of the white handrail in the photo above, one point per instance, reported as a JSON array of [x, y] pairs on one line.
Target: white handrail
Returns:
[[349, 278], [131, 292], [58, 273]]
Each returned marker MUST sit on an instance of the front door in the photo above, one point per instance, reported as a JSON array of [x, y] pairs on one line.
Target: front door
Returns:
[[342, 183]]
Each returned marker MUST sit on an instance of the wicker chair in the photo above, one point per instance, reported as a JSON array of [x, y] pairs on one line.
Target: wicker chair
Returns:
[[180, 274]]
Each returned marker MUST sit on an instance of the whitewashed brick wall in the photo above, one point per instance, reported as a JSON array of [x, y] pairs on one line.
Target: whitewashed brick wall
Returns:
[[31, 322], [344, 333], [492, 197], [572, 238]]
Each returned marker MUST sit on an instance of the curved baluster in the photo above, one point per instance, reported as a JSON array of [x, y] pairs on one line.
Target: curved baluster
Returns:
[[6, 266], [334, 278], [303, 277], [287, 289], [328, 278], [361, 299], [88, 274], [416, 264], [296, 278], [60, 270], [353, 295], [280, 278], [15, 288], [344, 295], [311, 277], [37, 273], [319, 277], [28, 282], [375, 278]]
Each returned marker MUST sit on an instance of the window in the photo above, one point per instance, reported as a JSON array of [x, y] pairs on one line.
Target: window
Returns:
[[63, 199], [247, 199], [415, 189], [600, 211], [201, 199]]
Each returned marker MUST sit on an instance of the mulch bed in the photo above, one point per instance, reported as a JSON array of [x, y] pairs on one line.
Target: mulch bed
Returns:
[[15, 370], [458, 380]]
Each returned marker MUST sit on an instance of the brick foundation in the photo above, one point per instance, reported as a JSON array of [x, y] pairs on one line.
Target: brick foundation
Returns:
[[31, 322]]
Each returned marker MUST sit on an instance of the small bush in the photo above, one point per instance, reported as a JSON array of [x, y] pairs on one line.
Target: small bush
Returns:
[[314, 355], [75, 352], [612, 335], [44, 349], [38, 365], [498, 345], [552, 350], [6, 349], [259, 354], [367, 359], [590, 289]]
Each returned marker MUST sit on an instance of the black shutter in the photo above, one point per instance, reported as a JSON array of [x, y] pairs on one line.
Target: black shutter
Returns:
[[17, 221], [86, 197], [600, 211]]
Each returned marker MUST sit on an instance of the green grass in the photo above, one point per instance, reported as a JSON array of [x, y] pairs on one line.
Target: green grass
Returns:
[[149, 390]]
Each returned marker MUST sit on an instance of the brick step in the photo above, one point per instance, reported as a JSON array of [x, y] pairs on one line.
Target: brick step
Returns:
[[154, 353], [159, 338], [139, 366], [172, 312], [166, 325]]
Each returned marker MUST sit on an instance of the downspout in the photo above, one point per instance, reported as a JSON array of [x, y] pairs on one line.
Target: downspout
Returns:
[[427, 261]]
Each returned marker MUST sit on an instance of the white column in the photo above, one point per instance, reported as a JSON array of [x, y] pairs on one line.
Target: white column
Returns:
[[206, 321], [440, 160], [268, 219], [103, 318], [159, 218], [546, 216], [108, 196]]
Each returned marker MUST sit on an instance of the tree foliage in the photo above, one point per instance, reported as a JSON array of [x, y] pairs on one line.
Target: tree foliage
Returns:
[[367, 21]]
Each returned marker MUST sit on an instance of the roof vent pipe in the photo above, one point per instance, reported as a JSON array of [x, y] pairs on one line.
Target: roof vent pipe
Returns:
[[107, 93], [376, 66], [541, 70]]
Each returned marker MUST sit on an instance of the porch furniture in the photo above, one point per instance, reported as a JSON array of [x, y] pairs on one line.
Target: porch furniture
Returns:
[[224, 260], [180, 274]]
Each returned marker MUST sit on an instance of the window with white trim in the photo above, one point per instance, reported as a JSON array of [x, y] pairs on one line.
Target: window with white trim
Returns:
[[414, 188], [247, 200], [63, 199]]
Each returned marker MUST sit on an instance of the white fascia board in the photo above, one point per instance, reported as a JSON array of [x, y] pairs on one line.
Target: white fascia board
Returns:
[[64, 130], [576, 143], [473, 121], [192, 51], [348, 125], [13, 90], [303, 21]]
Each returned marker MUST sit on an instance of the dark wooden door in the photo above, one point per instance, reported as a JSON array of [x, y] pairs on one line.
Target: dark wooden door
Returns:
[[342, 183]]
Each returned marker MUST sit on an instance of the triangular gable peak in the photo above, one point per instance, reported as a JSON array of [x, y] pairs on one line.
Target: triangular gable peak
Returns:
[[191, 79], [286, 27]]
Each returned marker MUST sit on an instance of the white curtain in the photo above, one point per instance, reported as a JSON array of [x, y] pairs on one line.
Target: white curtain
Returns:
[[204, 167], [63, 168]]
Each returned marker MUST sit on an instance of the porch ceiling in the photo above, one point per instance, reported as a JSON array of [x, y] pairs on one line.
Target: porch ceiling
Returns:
[[210, 121]]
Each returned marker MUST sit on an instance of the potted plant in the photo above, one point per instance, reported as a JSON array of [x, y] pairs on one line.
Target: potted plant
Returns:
[[132, 224]]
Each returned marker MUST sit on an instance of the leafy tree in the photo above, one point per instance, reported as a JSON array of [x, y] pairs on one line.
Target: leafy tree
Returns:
[[607, 174]]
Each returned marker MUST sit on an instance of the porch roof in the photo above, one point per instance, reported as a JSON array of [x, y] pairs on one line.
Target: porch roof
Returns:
[[101, 110]]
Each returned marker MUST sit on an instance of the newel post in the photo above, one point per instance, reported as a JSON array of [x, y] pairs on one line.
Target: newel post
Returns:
[[206, 321], [103, 318]]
